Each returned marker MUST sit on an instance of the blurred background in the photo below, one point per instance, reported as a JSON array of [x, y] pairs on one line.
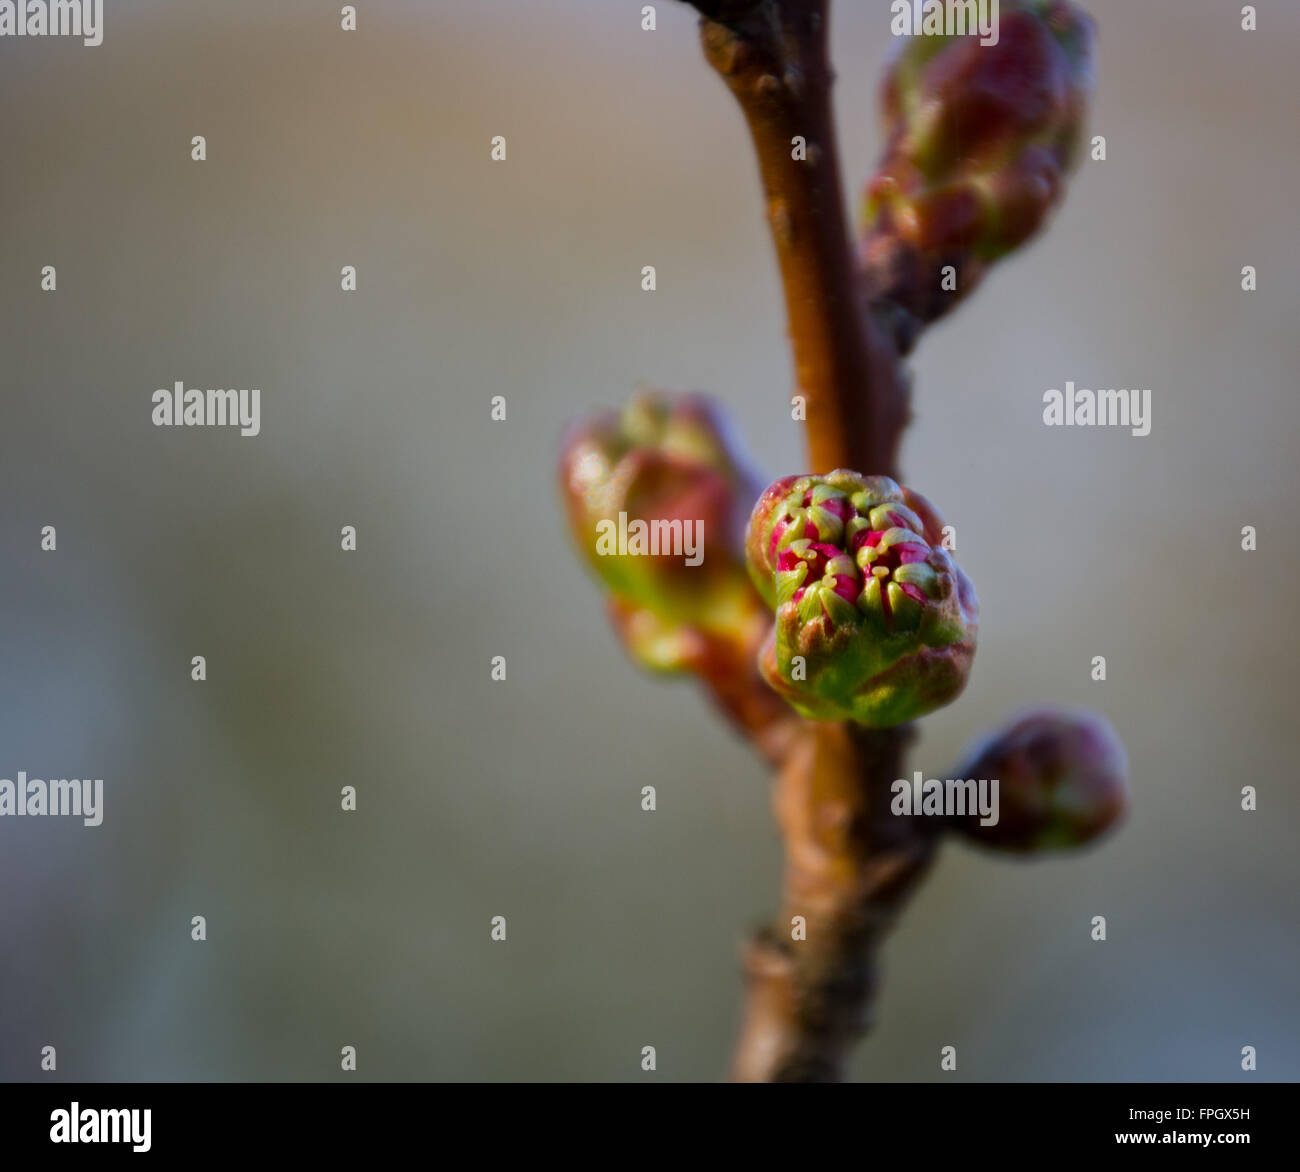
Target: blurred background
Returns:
[[371, 669]]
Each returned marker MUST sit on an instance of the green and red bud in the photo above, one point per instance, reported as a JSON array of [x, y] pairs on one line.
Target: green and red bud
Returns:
[[980, 140], [1062, 781], [874, 621], [668, 466]]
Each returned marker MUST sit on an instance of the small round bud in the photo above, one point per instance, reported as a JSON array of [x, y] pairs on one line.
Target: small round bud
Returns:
[[1062, 780]]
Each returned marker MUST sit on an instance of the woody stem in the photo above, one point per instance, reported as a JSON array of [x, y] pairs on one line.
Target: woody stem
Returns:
[[849, 864], [774, 59]]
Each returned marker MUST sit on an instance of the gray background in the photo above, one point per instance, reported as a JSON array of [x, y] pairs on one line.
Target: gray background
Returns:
[[371, 669]]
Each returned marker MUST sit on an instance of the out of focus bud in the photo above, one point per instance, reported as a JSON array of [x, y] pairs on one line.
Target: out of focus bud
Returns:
[[1062, 781], [656, 497], [874, 621], [980, 139]]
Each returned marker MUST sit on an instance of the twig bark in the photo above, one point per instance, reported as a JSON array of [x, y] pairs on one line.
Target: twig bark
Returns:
[[774, 58], [849, 866], [849, 863]]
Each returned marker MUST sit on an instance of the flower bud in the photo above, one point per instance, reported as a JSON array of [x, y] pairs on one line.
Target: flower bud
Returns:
[[874, 621], [980, 139], [656, 496], [1062, 780]]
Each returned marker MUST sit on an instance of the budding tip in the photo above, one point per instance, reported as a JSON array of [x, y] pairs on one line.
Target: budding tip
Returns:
[[863, 594]]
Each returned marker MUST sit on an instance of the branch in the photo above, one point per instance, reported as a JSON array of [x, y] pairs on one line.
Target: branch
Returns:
[[976, 157], [849, 865], [741, 693], [773, 56]]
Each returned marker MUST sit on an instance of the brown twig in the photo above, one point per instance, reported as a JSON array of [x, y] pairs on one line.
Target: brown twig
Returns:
[[774, 59], [849, 866], [742, 694], [728, 668], [849, 863]]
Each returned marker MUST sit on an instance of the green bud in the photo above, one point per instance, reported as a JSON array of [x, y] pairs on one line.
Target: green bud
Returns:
[[874, 621], [656, 496]]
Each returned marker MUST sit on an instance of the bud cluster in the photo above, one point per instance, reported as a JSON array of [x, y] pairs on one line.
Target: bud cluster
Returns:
[[874, 621]]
